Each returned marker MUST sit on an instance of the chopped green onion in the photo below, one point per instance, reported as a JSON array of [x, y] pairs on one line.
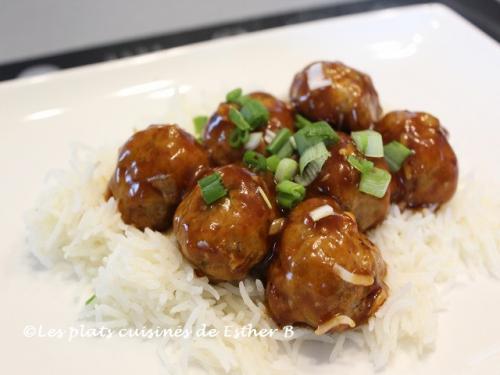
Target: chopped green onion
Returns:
[[316, 152], [314, 133], [272, 162], [279, 141], [286, 170], [234, 138], [375, 182], [238, 120], [360, 164], [312, 171], [233, 95], [199, 123], [287, 201], [213, 192], [255, 160], [303, 142], [269, 135], [236, 96], [323, 130], [253, 141], [395, 154], [90, 300], [311, 162], [241, 134], [212, 188], [301, 122], [238, 137], [243, 99], [254, 113], [321, 212], [205, 181], [286, 150], [244, 137], [290, 193], [369, 142]]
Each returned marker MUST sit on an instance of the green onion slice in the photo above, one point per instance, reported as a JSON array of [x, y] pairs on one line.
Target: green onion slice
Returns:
[[303, 142], [254, 113], [212, 188], [233, 95], [375, 182], [286, 170], [301, 122], [234, 138], [199, 123], [236, 96], [254, 140], [315, 133], [369, 142], [311, 172], [279, 141], [243, 99], [286, 151], [290, 193], [311, 162], [90, 300], [254, 160], [272, 162], [395, 154], [321, 129], [205, 181], [237, 119], [269, 135], [360, 164], [316, 152], [238, 137]]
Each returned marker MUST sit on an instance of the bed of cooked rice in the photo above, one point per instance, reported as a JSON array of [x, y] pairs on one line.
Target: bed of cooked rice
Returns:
[[140, 279]]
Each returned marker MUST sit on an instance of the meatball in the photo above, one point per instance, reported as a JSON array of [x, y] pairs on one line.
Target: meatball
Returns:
[[225, 239], [154, 168], [326, 273], [429, 176], [336, 93], [219, 128], [340, 180]]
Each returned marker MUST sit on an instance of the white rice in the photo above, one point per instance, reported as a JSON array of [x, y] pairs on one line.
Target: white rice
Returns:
[[140, 278]]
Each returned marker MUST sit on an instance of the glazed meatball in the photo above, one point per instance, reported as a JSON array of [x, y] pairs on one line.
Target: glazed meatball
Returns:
[[219, 128], [429, 176], [340, 180], [225, 239], [154, 168], [326, 274], [337, 94]]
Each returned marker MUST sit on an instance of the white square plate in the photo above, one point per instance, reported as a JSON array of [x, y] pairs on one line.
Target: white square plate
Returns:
[[420, 58]]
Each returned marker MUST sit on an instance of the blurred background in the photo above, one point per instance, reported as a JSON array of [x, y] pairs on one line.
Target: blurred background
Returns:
[[37, 36]]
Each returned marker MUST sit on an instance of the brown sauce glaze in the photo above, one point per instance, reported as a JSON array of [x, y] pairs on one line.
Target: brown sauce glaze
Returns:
[[430, 175], [340, 180], [225, 239], [337, 94], [154, 169], [303, 286], [219, 128]]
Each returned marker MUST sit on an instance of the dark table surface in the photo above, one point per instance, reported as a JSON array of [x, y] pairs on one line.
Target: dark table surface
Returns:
[[485, 14]]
